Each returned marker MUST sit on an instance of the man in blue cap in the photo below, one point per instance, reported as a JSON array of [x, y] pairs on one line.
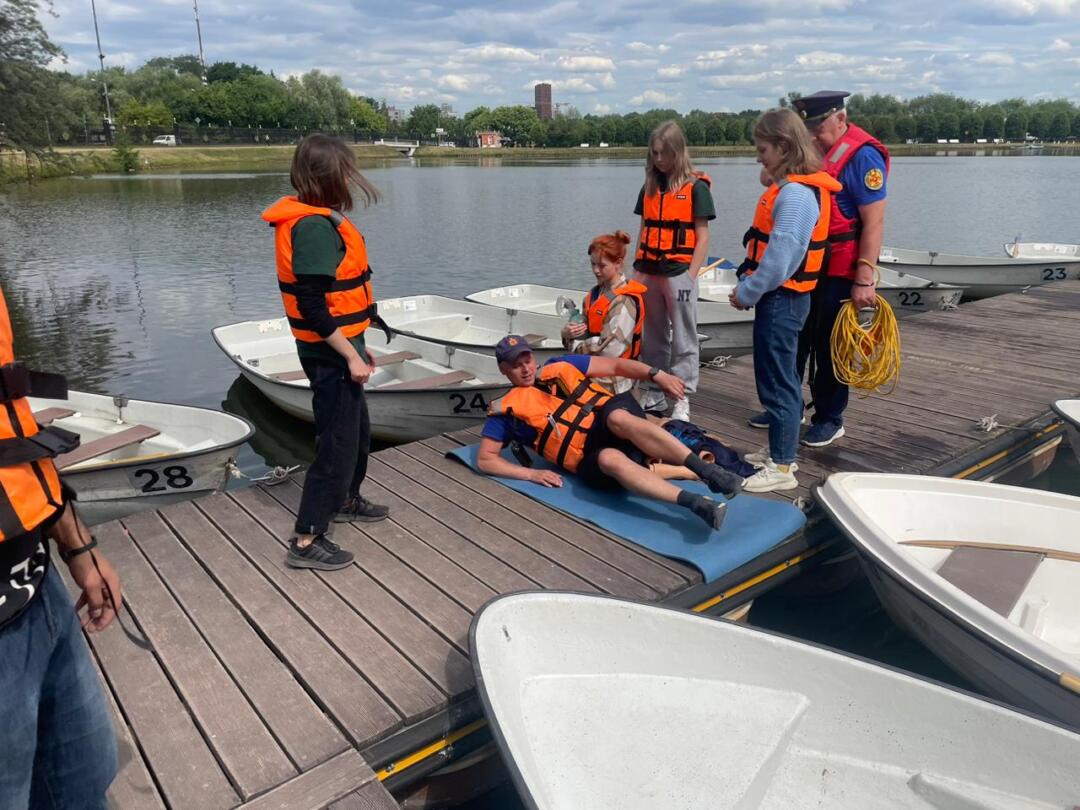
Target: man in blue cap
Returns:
[[856, 228], [578, 425]]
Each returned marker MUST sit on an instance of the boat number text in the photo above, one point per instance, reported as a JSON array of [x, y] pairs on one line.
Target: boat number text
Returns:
[[910, 299], [1054, 273], [462, 404], [149, 480]]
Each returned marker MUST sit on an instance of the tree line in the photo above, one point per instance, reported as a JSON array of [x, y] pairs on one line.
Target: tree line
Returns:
[[45, 107]]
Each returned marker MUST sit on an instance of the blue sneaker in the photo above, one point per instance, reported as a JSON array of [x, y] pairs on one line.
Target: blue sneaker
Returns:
[[822, 434], [761, 420]]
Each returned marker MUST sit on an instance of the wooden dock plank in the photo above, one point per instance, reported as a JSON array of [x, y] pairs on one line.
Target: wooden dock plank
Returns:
[[617, 554], [319, 787], [331, 680], [596, 572], [305, 733], [372, 796], [428, 652], [240, 740], [426, 558], [183, 765]]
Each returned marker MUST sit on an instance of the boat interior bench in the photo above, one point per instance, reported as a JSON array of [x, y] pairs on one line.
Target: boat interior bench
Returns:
[[381, 361], [438, 381], [106, 444], [995, 577], [49, 415]]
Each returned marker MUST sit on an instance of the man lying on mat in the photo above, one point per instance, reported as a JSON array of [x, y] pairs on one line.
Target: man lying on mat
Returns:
[[581, 427]]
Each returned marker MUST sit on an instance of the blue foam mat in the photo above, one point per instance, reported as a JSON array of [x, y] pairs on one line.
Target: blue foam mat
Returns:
[[752, 526]]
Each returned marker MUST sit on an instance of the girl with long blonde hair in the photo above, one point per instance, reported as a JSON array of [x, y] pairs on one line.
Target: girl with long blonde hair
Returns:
[[786, 250], [675, 205]]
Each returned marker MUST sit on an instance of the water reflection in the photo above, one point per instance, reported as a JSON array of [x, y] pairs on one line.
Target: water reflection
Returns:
[[280, 440]]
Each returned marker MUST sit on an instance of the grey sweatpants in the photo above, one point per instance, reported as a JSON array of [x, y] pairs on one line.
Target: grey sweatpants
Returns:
[[669, 339]]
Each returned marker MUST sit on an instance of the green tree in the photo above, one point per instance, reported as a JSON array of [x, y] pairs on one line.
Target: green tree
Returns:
[[28, 90], [514, 122], [926, 127], [1075, 129], [1059, 126], [1038, 124], [695, 132], [422, 122], [970, 126], [154, 115], [949, 125], [885, 128], [230, 72], [1016, 126], [477, 120], [905, 128], [993, 123], [715, 131], [366, 120], [187, 63]]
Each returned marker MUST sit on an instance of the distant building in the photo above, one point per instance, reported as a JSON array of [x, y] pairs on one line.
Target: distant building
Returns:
[[446, 111], [542, 101], [394, 115], [489, 140]]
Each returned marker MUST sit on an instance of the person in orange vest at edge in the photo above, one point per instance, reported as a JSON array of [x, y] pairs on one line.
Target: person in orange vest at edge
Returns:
[[578, 425], [675, 205], [613, 310], [856, 229], [786, 250], [325, 283], [59, 744]]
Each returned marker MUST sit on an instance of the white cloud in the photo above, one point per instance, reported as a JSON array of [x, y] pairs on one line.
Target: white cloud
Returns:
[[500, 53], [641, 47], [607, 81], [743, 79], [651, 97], [454, 81], [994, 58], [671, 72], [602, 109], [585, 64], [824, 60], [1060, 45], [574, 85], [719, 58]]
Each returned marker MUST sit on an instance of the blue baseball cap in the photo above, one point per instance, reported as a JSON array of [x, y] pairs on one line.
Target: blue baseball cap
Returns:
[[816, 107], [510, 348]]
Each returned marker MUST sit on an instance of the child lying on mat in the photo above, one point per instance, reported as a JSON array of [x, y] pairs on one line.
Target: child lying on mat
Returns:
[[581, 427]]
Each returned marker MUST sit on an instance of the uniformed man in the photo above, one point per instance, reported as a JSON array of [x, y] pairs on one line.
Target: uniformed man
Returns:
[[861, 163]]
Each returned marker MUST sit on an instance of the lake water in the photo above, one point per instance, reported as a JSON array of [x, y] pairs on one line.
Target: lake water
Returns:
[[117, 281]]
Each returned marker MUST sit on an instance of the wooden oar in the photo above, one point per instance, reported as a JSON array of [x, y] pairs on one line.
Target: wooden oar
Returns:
[[1049, 553], [712, 266]]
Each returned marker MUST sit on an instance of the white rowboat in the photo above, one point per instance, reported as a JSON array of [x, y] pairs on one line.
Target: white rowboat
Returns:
[[137, 455], [983, 276], [470, 326], [1069, 411], [1041, 250], [419, 389], [726, 330], [609, 704], [906, 294], [987, 576]]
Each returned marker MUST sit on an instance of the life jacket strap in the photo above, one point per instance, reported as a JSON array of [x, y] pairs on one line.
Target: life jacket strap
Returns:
[[17, 381], [48, 442]]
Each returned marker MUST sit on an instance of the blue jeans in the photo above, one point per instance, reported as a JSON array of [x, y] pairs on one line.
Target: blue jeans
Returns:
[[342, 442], [59, 746], [778, 319], [830, 396]]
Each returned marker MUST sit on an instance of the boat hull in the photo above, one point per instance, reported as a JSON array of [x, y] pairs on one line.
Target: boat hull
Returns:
[[1069, 411], [983, 277], [990, 667]]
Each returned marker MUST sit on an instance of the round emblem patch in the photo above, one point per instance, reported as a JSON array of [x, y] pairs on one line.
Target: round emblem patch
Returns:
[[874, 179]]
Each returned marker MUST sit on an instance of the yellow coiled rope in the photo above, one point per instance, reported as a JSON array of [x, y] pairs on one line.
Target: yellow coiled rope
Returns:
[[866, 355]]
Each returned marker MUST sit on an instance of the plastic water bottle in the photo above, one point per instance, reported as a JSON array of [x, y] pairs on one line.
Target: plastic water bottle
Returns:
[[576, 316]]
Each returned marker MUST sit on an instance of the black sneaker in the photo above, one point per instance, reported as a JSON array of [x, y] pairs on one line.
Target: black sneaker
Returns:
[[321, 554], [360, 508]]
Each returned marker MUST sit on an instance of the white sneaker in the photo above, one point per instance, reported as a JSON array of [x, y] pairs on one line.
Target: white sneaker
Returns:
[[759, 457], [681, 410], [771, 478]]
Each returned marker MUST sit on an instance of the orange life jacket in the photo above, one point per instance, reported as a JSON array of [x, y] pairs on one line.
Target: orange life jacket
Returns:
[[350, 299], [560, 407], [598, 304], [667, 227], [29, 484], [817, 253], [844, 231]]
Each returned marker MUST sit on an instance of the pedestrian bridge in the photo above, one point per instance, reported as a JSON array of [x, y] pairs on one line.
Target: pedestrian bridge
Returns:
[[405, 147]]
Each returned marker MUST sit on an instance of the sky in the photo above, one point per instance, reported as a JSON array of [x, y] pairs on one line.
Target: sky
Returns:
[[614, 57]]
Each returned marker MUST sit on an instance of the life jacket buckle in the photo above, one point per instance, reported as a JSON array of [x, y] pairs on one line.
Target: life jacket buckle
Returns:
[[56, 440]]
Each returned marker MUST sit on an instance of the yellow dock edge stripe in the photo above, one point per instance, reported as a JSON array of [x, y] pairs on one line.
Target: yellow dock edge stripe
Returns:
[[441, 745], [427, 751]]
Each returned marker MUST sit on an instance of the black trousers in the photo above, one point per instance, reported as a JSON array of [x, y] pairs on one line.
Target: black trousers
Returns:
[[830, 395], [342, 443]]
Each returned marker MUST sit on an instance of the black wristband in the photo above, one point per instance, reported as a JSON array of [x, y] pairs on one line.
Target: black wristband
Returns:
[[653, 372], [75, 552]]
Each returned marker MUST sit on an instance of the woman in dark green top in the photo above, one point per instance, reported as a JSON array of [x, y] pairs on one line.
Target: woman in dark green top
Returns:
[[336, 366]]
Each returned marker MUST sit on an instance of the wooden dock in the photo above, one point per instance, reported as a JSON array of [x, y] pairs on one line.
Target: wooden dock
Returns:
[[267, 687]]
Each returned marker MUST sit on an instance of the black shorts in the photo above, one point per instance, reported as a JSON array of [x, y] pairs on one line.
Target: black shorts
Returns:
[[600, 438]]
